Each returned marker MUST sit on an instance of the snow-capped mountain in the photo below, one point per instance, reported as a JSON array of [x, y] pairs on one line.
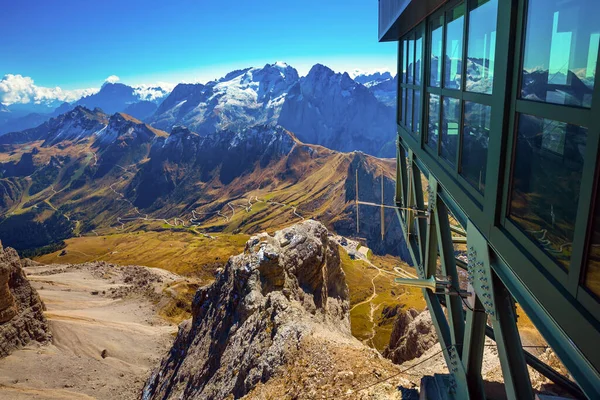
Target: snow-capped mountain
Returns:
[[74, 125], [333, 110], [139, 102], [242, 98], [321, 108], [372, 79]]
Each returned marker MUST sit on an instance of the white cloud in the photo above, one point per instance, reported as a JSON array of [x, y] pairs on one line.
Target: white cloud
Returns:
[[154, 92], [357, 71], [112, 79], [18, 89]]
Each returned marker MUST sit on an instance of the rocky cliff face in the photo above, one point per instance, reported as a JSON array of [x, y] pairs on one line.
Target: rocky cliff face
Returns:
[[413, 334], [252, 326], [21, 310], [261, 306]]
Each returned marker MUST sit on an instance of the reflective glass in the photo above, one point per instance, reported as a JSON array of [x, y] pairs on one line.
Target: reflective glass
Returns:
[[411, 62], [561, 51], [434, 121], [409, 109], [476, 134], [482, 46], [403, 106], [592, 275], [546, 181], [435, 56], [454, 47], [417, 112], [418, 57], [404, 60], [450, 129]]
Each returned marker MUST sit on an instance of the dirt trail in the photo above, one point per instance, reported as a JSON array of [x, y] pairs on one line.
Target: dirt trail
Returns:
[[84, 324]]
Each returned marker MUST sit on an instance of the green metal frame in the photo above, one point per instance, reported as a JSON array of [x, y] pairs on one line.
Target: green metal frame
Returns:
[[564, 312]]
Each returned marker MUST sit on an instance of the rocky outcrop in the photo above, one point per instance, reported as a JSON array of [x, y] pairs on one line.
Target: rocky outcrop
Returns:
[[21, 310], [246, 325], [413, 334]]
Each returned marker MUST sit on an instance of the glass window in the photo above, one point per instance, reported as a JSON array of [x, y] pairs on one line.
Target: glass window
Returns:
[[450, 129], [546, 182], [404, 60], [482, 45], [418, 56], [561, 51], [476, 135], [435, 56], [403, 106], [411, 62], [417, 113], [454, 47], [409, 109], [433, 130], [592, 274]]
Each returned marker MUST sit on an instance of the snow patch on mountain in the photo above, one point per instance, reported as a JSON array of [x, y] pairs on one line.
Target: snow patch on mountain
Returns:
[[251, 96]]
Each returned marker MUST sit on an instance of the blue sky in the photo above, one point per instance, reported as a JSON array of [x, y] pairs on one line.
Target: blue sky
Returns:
[[76, 44]]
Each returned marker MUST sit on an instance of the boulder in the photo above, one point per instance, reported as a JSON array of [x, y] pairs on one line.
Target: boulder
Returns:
[[413, 334]]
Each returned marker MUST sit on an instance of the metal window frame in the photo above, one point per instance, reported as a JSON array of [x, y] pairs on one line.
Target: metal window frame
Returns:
[[563, 311]]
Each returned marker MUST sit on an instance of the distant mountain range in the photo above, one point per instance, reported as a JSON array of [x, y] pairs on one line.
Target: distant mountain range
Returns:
[[324, 107], [112, 97], [86, 171]]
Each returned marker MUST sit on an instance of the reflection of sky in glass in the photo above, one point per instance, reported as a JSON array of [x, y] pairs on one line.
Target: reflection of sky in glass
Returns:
[[411, 60], [482, 47], [419, 50], [561, 51], [559, 54], [454, 46], [436, 57], [404, 60]]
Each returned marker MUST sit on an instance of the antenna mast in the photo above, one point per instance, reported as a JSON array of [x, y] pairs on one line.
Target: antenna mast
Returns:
[[356, 192]]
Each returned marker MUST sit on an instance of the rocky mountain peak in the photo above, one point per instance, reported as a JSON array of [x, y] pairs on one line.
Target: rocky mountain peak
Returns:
[[372, 79], [181, 131], [259, 310]]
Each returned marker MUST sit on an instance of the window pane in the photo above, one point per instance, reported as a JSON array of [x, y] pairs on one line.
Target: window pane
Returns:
[[561, 51], [409, 109], [434, 121], [435, 57], [450, 129], [404, 59], [411, 61], [454, 47], [403, 107], [475, 144], [418, 56], [546, 182], [592, 275], [482, 46], [417, 113]]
